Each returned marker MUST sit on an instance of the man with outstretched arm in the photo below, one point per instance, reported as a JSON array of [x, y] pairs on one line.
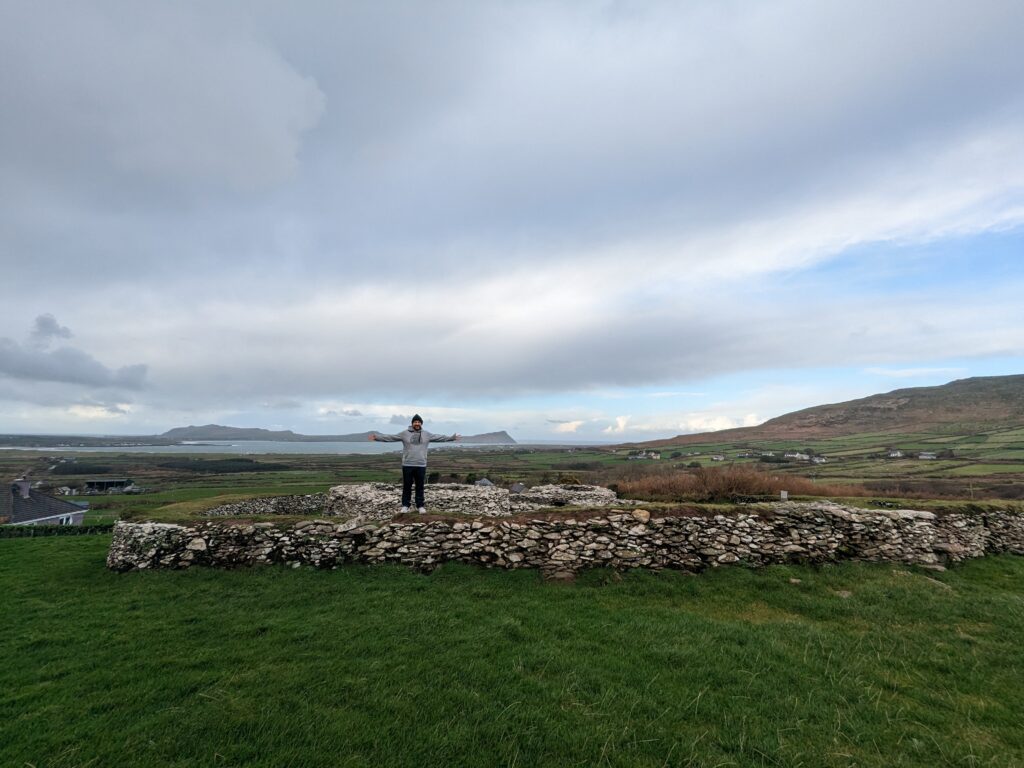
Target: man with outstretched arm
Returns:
[[415, 441]]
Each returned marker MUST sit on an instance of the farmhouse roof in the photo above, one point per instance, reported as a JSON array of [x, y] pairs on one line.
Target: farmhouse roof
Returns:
[[17, 509]]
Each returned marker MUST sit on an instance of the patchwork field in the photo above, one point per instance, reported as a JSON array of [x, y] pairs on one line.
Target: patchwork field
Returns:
[[988, 465]]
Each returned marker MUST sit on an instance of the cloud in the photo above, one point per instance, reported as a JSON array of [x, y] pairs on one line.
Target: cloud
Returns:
[[47, 329], [399, 419], [569, 426], [620, 425], [912, 373], [282, 405], [349, 412], [99, 411], [257, 206], [64, 364], [161, 94], [713, 422]]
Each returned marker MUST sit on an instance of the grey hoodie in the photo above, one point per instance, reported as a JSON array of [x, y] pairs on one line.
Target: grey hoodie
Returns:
[[415, 444]]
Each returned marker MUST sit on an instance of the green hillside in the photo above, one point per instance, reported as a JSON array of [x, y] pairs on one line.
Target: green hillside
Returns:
[[967, 406]]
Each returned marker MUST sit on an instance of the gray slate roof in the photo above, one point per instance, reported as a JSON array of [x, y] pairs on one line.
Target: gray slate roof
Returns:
[[37, 505]]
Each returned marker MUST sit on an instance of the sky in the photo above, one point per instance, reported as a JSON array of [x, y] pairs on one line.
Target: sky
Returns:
[[579, 221]]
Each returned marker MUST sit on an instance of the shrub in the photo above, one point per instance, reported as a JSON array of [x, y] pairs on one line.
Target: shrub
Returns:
[[223, 466], [709, 484], [77, 468], [27, 531]]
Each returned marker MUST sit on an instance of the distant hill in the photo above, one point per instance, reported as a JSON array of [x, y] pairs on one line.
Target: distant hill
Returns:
[[219, 432], [966, 405]]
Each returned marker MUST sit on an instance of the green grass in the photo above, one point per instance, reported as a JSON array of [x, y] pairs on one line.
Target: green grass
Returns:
[[382, 666], [985, 469]]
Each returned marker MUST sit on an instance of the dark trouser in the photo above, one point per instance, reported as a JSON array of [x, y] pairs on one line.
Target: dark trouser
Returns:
[[409, 474]]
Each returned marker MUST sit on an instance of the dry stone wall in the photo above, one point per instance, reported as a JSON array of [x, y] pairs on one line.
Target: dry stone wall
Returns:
[[776, 533], [379, 501], [313, 505], [359, 503]]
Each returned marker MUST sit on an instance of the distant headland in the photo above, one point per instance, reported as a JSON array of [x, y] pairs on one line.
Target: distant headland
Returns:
[[190, 434]]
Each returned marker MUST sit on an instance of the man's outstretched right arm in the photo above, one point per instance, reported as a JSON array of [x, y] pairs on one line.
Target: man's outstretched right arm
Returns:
[[385, 438]]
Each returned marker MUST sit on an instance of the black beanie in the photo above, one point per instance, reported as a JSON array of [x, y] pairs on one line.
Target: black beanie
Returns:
[[417, 417]]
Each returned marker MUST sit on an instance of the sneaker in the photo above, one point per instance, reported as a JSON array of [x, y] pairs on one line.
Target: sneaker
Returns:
[[423, 510], [405, 510]]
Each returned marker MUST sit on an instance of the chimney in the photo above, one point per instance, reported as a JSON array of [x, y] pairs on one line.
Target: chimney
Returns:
[[22, 488]]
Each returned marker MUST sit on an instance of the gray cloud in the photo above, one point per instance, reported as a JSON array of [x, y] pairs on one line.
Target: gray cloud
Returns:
[[348, 412], [105, 407], [399, 419], [67, 365], [48, 394], [283, 405], [35, 363], [441, 137], [47, 329], [162, 95]]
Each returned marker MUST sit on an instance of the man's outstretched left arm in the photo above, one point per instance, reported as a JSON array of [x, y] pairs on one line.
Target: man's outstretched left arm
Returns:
[[445, 438]]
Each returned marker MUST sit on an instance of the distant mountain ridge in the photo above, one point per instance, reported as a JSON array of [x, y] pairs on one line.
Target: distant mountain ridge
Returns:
[[220, 432], [975, 404]]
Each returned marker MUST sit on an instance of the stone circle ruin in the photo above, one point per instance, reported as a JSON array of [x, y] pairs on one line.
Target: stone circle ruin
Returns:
[[556, 529]]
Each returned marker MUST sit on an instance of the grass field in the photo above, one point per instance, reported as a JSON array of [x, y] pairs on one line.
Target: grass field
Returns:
[[854, 665]]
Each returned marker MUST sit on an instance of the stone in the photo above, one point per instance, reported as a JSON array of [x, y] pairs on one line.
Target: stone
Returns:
[[641, 515], [541, 496], [379, 501], [817, 532]]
